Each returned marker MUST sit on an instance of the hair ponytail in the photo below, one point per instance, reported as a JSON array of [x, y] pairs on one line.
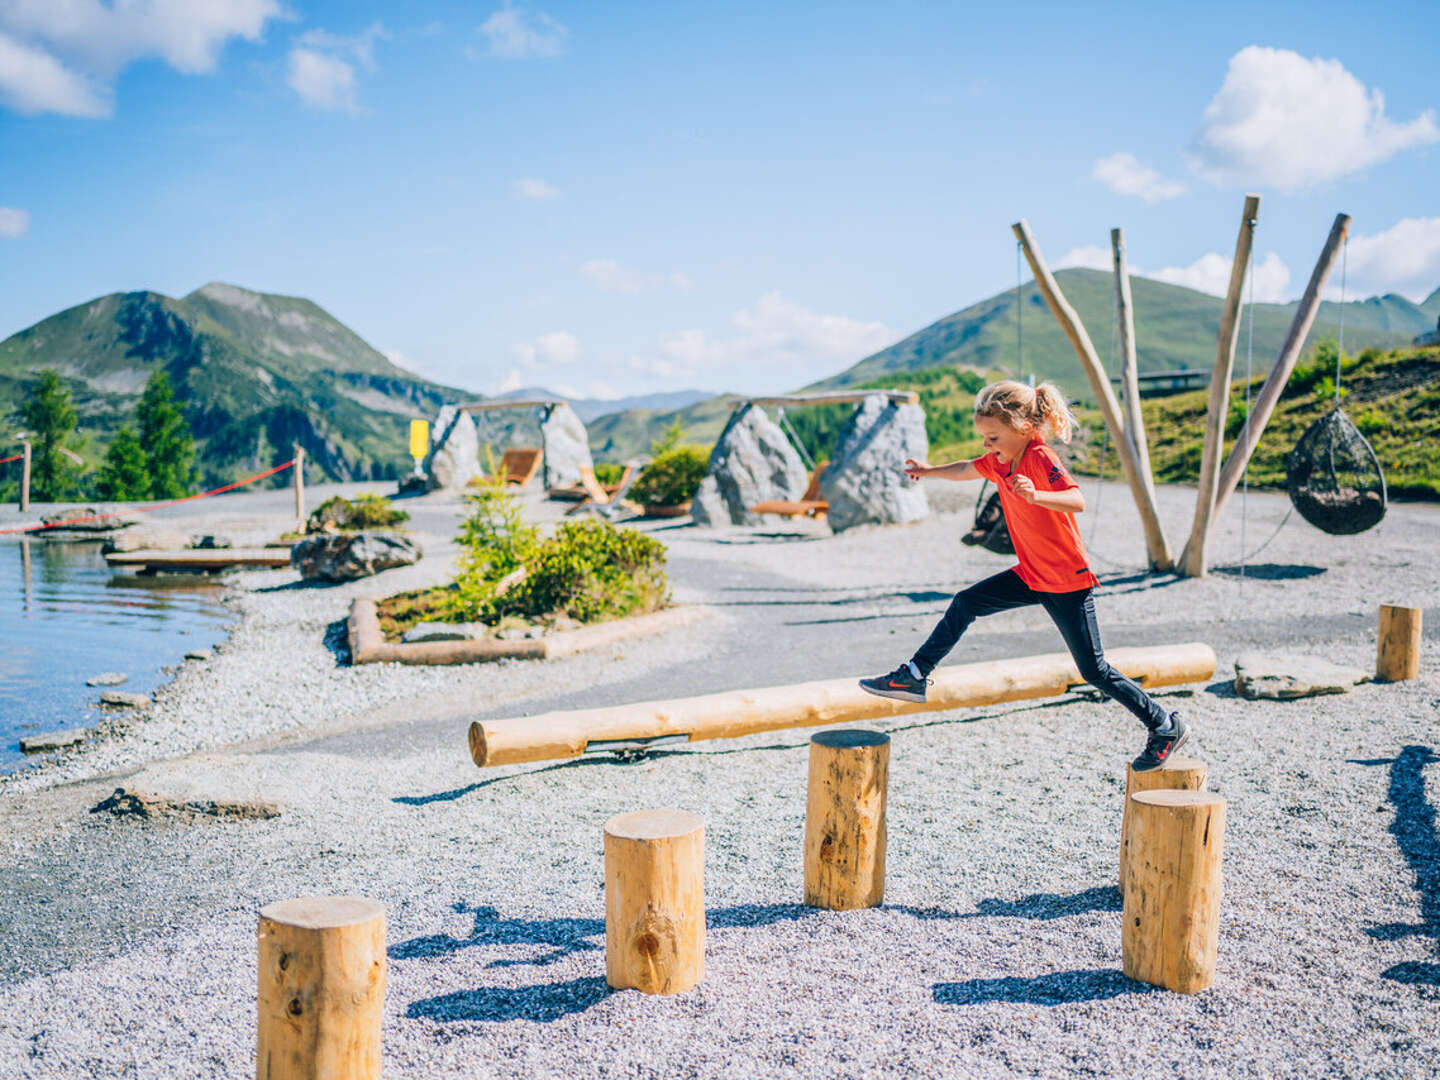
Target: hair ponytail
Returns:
[[1053, 411], [1018, 406]]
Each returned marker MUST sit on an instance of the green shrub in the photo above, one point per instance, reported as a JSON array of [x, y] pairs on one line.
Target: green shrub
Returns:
[[673, 477], [366, 511], [607, 472], [588, 570]]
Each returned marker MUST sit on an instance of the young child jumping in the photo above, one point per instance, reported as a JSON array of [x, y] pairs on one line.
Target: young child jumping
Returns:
[[1040, 502]]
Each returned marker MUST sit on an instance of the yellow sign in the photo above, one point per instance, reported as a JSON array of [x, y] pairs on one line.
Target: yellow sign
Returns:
[[419, 439]]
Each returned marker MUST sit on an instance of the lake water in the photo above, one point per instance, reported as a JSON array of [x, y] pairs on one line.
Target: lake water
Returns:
[[66, 617]]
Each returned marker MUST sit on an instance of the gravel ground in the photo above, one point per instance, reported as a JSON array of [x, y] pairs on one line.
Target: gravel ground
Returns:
[[130, 944]]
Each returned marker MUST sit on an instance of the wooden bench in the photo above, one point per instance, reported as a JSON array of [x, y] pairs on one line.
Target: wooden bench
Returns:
[[519, 465], [808, 505]]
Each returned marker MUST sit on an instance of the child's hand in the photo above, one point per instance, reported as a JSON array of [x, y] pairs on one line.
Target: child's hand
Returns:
[[1024, 487], [916, 469]]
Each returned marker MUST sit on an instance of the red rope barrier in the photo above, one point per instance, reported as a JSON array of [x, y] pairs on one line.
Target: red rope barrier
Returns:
[[153, 506], [13, 457]]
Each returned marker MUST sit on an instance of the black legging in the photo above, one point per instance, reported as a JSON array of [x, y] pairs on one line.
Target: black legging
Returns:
[[1074, 616]]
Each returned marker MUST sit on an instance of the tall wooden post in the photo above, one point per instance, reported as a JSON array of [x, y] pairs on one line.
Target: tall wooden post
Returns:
[[1397, 647], [25, 477], [1177, 774], [1192, 559], [845, 819], [1129, 373], [300, 484], [1171, 919], [655, 901], [1264, 404], [1155, 546], [321, 988]]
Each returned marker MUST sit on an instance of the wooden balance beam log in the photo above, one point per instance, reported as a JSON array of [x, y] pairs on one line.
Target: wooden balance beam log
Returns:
[[836, 701]]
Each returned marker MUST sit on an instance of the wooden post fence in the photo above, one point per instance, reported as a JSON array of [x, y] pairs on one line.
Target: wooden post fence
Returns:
[[1397, 646], [655, 901], [25, 477], [300, 484], [1264, 404], [1155, 546], [1192, 559], [1129, 374]]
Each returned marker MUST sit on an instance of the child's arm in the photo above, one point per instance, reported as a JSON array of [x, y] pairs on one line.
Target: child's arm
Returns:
[[1065, 501], [956, 470]]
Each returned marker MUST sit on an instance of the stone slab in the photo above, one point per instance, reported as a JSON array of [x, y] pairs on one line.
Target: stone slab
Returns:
[[1285, 677]]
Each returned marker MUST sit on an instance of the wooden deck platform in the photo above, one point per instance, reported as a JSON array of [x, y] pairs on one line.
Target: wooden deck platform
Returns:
[[202, 558]]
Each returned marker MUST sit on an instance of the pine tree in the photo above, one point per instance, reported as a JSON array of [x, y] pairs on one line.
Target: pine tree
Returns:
[[49, 416], [123, 476], [165, 437]]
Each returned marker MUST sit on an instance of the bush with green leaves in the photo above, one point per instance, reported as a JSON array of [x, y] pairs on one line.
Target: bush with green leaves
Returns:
[[166, 438], [50, 416], [123, 476], [607, 472], [673, 477], [366, 511], [587, 570]]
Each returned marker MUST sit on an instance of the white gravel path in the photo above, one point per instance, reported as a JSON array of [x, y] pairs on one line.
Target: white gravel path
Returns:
[[130, 945]]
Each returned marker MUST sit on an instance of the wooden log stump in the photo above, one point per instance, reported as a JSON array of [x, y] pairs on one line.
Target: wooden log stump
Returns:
[[321, 989], [655, 901], [845, 819], [1397, 650], [1171, 921], [1178, 774]]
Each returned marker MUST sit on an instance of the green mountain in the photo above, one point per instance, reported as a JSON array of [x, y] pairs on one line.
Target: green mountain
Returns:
[[254, 373], [1175, 328]]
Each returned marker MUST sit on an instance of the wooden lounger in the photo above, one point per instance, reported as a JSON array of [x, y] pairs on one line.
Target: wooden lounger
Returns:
[[588, 490], [808, 505], [520, 464], [611, 493]]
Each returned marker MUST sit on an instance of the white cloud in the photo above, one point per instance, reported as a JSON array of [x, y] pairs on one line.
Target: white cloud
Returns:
[[514, 35], [548, 350], [63, 56], [772, 335], [533, 188], [513, 381], [609, 276], [323, 66], [1284, 120], [1403, 259], [1088, 256], [1123, 174], [322, 81], [32, 81], [13, 222], [1210, 273]]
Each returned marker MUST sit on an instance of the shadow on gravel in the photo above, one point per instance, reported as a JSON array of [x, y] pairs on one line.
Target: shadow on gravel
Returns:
[[337, 640], [1272, 571], [1416, 835], [461, 792], [1144, 581], [1043, 906], [1057, 988], [541, 1004], [292, 586], [923, 596]]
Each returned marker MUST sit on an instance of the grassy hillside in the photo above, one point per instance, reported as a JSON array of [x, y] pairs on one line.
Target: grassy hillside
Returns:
[[253, 372], [1175, 328], [1393, 397]]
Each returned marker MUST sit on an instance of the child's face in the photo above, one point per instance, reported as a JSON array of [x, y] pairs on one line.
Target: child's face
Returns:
[[1007, 443]]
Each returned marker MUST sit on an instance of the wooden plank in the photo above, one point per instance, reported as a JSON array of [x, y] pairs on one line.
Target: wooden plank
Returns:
[[828, 397], [202, 558], [1264, 404], [745, 712], [1192, 559], [509, 403], [1155, 546]]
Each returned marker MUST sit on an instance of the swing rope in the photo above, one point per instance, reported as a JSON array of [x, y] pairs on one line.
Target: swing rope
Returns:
[[789, 429], [1340, 347]]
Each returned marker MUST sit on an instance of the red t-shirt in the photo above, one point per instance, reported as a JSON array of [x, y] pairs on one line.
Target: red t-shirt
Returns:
[[1047, 542]]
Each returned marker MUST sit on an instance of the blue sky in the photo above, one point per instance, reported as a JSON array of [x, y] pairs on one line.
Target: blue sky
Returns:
[[623, 198]]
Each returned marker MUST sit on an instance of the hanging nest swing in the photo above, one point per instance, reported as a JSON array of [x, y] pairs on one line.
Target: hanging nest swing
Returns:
[[989, 530], [1334, 478]]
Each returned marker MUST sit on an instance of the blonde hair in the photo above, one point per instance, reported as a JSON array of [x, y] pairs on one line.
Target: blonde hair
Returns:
[[1041, 408]]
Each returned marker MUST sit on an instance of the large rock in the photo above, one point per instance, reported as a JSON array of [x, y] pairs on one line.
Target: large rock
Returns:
[[865, 484], [567, 446], [752, 462], [147, 538], [347, 556], [206, 785], [1259, 675], [454, 458]]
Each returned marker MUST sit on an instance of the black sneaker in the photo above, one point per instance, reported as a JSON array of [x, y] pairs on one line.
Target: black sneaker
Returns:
[[899, 684], [1160, 747]]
